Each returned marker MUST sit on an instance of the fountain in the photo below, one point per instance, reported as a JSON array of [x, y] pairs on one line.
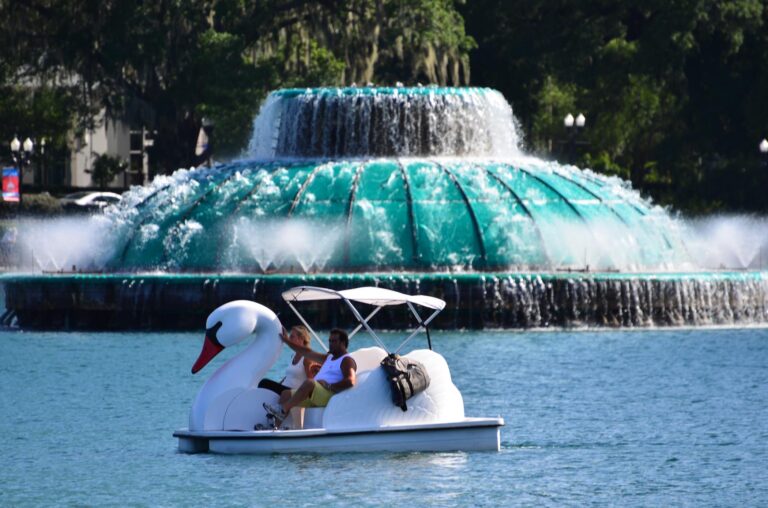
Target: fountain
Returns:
[[422, 190]]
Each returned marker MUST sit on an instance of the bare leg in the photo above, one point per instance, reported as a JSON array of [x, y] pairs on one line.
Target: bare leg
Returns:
[[301, 394]]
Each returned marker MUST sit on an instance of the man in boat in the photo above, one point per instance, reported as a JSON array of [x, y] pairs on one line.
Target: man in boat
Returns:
[[336, 374]]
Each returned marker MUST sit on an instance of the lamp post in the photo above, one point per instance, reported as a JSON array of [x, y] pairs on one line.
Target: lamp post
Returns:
[[22, 155], [43, 176], [573, 126], [763, 147]]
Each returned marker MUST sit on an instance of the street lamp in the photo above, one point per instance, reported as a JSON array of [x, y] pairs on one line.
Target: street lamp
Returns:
[[579, 121], [21, 158], [573, 125], [22, 155], [763, 147], [43, 178]]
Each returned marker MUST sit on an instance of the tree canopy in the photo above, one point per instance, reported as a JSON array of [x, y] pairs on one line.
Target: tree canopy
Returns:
[[673, 91], [166, 64]]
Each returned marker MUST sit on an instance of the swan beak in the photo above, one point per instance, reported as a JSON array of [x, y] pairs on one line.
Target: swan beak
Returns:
[[210, 349]]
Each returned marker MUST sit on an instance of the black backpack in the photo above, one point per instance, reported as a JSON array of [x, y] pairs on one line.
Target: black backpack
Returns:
[[406, 378]]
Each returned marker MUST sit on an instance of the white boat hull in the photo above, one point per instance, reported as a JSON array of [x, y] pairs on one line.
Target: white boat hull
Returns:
[[469, 434]]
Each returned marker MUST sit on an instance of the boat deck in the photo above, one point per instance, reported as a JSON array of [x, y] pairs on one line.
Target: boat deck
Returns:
[[469, 434]]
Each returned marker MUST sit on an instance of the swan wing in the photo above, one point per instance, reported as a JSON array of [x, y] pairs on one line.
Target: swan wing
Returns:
[[369, 403]]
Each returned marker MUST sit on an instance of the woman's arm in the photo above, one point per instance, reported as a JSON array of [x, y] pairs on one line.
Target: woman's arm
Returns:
[[302, 350]]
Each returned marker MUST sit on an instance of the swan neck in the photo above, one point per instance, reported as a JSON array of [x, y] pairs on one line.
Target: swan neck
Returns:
[[241, 372]]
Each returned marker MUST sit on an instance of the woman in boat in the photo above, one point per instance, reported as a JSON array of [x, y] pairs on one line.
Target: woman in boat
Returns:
[[338, 373], [299, 370]]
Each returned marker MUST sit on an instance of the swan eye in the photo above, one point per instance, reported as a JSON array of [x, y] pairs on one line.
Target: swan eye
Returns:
[[212, 331]]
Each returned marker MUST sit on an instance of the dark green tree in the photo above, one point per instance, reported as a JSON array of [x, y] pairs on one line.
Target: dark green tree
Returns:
[[167, 64], [673, 90], [106, 168], [42, 113]]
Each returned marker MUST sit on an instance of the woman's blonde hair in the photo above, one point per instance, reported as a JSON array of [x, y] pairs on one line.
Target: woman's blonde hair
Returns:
[[303, 333]]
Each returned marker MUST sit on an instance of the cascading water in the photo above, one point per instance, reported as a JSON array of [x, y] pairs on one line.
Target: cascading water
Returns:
[[404, 186], [384, 122]]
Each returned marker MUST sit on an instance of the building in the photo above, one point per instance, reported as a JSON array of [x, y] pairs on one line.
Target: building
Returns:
[[110, 137], [125, 139]]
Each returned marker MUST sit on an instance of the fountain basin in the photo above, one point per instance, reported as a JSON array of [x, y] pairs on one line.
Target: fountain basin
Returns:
[[475, 300]]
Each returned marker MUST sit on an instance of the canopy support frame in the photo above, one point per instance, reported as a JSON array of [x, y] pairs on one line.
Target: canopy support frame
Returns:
[[322, 344], [422, 325], [364, 323], [357, 328]]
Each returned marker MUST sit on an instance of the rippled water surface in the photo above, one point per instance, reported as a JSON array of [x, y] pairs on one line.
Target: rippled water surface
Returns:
[[617, 418]]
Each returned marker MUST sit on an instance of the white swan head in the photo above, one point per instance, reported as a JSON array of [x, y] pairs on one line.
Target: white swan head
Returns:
[[229, 324], [226, 326]]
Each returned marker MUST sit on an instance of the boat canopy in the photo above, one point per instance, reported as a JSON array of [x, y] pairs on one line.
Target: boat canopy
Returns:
[[378, 297]]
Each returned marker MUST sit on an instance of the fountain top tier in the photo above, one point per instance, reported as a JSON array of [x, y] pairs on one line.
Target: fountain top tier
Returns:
[[384, 122]]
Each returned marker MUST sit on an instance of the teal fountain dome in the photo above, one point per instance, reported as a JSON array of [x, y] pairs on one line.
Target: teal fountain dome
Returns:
[[390, 179], [421, 190]]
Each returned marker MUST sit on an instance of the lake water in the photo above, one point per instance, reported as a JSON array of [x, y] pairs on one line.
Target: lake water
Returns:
[[672, 417]]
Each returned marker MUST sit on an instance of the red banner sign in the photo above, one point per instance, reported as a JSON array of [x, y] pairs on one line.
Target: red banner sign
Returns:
[[11, 184]]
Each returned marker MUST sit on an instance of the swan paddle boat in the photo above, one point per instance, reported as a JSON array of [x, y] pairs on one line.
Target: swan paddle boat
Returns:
[[229, 406]]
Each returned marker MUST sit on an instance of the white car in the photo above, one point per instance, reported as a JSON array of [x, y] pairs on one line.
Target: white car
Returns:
[[89, 200]]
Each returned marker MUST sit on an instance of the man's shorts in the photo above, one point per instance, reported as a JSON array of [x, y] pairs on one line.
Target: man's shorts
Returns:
[[319, 398]]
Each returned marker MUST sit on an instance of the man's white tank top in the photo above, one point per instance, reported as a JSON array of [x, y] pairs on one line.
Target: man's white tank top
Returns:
[[295, 374], [330, 372]]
